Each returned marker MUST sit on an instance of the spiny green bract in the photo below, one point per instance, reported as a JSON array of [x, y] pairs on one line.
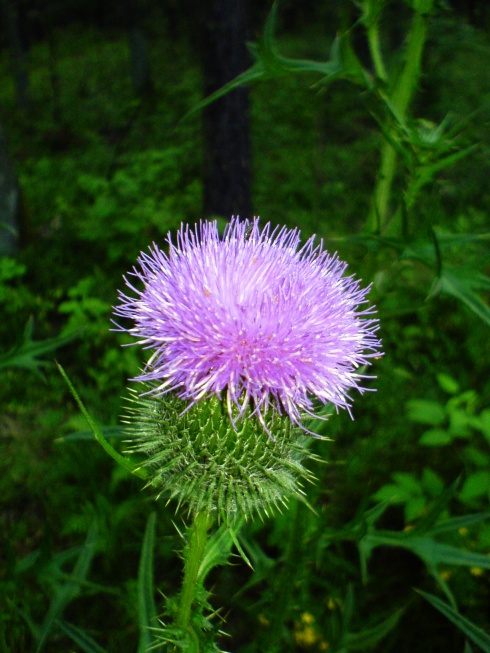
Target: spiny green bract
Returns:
[[202, 632], [198, 457]]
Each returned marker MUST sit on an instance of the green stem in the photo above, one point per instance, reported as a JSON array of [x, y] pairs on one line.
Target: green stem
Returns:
[[374, 47], [400, 100], [193, 558], [408, 80], [378, 216]]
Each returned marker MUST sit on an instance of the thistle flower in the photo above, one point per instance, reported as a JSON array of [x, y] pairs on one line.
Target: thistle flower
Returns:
[[248, 325], [251, 318]]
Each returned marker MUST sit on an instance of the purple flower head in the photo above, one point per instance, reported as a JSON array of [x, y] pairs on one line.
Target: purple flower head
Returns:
[[252, 318]]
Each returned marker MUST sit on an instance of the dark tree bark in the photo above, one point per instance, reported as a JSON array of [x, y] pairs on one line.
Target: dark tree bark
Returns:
[[17, 53], [140, 61], [227, 157], [9, 203]]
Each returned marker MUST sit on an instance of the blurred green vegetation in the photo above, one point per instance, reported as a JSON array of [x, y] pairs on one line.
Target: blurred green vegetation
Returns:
[[109, 175]]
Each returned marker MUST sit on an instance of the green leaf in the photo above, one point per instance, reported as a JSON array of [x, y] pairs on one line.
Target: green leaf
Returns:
[[459, 422], [392, 493], [269, 64], [80, 637], [477, 457], [425, 173], [436, 438], [449, 239], [69, 589], [455, 523], [432, 482], [116, 432], [435, 553], [476, 634], [437, 506], [275, 64], [27, 354], [424, 251], [461, 288], [459, 282], [108, 448], [370, 637], [415, 508], [348, 607], [409, 482], [447, 383], [239, 547], [476, 485], [253, 74], [33, 627], [147, 615], [483, 423], [425, 411], [217, 551]]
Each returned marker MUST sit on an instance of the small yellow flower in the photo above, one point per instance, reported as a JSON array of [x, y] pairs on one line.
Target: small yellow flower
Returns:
[[463, 531], [445, 575], [305, 633], [307, 618], [263, 620], [324, 646], [476, 571], [306, 637]]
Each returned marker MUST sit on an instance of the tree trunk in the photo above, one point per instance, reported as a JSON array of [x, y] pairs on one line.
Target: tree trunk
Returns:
[[140, 61], [9, 203], [227, 157], [17, 53]]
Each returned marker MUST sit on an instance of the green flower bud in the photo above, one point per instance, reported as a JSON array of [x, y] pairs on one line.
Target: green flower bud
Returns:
[[198, 457]]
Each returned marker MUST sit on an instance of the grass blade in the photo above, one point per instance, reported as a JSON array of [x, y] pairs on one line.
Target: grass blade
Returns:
[[108, 448], [70, 589], [115, 432], [80, 637], [146, 603]]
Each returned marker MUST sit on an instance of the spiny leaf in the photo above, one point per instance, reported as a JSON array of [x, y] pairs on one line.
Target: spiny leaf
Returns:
[[239, 547], [476, 634], [368, 638], [217, 551], [270, 64], [425, 173], [433, 553], [455, 523], [461, 289], [27, 354]]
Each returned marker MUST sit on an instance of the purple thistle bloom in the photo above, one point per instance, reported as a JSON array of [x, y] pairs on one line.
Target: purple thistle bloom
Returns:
[[251, 317]]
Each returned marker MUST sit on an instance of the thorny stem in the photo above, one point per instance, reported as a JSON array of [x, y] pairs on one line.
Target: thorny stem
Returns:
[[374, 47], [400, 99], [193, 558]]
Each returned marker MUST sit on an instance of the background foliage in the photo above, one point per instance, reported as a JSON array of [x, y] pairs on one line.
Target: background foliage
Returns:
[[403, 496]]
